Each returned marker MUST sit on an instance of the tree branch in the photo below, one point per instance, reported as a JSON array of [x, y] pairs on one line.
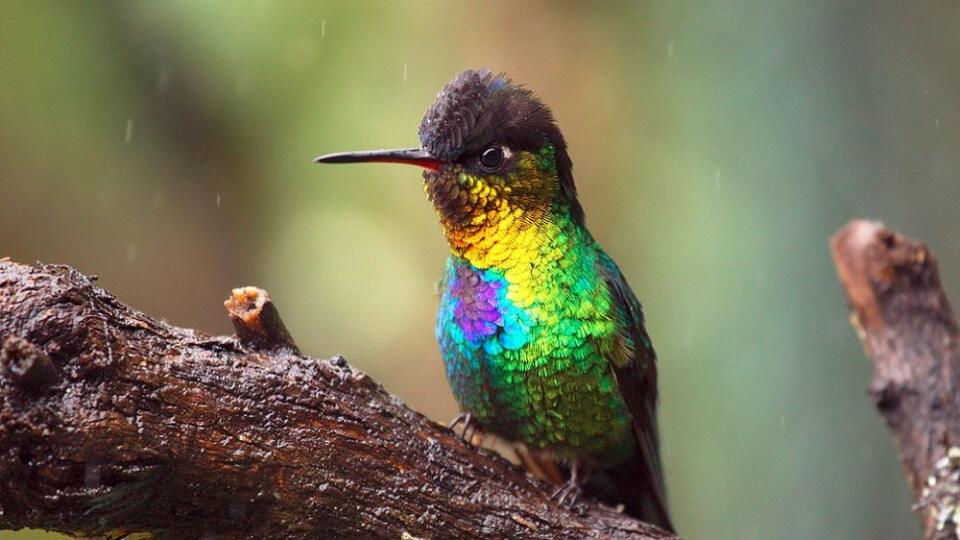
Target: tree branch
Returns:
[[111, 421], [908, 329]]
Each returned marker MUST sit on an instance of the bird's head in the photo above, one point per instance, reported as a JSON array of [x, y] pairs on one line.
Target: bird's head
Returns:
[[495, 159]]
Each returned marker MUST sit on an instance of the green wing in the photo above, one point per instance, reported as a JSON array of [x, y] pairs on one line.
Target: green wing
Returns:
[[634, 364]]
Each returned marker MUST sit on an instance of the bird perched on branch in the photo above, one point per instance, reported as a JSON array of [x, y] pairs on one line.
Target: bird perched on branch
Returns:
[[542, 338]]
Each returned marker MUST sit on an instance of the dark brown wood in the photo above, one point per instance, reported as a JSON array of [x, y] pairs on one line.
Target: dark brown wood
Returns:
[[112, 421], [26, 365], [909, 331]]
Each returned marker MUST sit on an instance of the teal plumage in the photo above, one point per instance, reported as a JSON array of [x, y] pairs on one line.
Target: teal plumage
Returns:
[[542, 339], [538, 369]]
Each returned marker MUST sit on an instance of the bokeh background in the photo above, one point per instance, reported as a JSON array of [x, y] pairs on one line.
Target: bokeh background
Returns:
[[166, 147]]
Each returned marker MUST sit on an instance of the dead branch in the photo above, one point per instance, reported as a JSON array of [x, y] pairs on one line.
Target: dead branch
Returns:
[[112, 421], [909, 331]]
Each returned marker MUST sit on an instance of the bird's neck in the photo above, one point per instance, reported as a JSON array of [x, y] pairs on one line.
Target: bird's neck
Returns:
[[496, 221], [517, 238]]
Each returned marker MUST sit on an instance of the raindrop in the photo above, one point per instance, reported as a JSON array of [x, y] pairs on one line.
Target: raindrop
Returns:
[[218, 200], [866, 454], [936, 121], [717, 179], [132, 253], [783, 421], [129, 136], [404, 72], [323, 27], [164, 75], [670, 49]]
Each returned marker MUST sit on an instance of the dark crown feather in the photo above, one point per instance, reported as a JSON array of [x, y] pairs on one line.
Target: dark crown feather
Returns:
[[478, 108]]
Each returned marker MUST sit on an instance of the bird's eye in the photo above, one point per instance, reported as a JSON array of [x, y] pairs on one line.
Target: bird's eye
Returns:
[[492, 158]]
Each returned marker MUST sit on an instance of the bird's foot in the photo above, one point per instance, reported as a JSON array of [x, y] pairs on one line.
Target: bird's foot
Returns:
[[569, 493], [472, 432]]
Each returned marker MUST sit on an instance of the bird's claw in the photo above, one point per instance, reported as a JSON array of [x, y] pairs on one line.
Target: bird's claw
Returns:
[[568, 494], [471, 428], [462, 418]]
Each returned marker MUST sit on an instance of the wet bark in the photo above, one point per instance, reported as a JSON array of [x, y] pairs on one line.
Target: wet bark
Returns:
[[112, 421], [908, 329]]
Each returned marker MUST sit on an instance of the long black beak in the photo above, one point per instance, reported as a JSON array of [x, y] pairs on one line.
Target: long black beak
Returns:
[[409, 156]]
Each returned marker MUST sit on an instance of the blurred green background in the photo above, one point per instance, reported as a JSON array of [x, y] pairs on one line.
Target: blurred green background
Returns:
[[166, 147]]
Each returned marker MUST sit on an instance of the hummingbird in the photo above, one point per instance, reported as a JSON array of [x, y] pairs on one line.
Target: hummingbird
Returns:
[[542, 339]]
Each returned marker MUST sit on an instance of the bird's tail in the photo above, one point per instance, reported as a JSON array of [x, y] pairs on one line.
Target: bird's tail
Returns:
[[637, 484], [634, 484]]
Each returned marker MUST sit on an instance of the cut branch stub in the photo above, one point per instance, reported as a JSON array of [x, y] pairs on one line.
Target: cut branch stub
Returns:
[[257, 321], [909, 331], [26, 365]]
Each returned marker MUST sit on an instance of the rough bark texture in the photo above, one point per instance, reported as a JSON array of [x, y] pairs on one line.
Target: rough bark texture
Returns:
[[111, 421], [909, 331]]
